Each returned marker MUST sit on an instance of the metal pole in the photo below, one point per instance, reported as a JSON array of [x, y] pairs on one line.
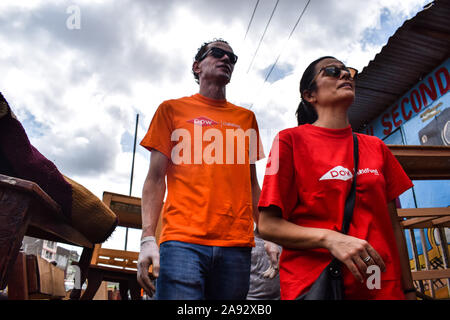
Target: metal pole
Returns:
[[132, 173]]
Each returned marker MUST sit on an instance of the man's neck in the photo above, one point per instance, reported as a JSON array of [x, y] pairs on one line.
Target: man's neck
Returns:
[[212, 91]]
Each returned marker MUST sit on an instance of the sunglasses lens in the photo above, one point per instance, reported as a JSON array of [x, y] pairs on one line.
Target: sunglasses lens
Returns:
[[332, 71], [219, 53], [353, 72]]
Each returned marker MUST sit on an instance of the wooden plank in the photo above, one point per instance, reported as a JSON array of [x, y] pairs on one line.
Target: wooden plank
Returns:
[[441, 221], [94, 259], [431, 274], [122, 198], [411, 223], [31, 188], [423, 162], [428, 224], [118, 253], [423, 212], [118, 263]]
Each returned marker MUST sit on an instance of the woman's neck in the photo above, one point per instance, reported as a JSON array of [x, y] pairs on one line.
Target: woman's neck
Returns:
[[332, 118]]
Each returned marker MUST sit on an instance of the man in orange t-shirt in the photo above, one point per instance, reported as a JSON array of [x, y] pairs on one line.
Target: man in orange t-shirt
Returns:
[[207, 148]]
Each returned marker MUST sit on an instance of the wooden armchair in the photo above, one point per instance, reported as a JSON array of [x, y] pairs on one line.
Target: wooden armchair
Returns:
[[426, 163], [118, 265], [25, 209]]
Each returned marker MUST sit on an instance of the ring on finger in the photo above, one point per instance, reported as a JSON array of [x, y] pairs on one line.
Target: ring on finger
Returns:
[[367, 259]]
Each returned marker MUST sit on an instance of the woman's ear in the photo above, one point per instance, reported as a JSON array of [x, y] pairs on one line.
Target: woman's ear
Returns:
[[309, 96]]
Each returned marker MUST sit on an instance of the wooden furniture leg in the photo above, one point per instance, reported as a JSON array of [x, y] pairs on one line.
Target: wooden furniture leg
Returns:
[[83, 264], [123, 289], [94, 281], [135, 290], [18, 281], [14, 220]]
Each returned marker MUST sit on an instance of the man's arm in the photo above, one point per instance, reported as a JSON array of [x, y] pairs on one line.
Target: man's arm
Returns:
[[256, 192], [152, 200], [153, 192]]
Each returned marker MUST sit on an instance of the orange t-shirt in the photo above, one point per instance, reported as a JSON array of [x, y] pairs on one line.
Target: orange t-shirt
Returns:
[[210, 145]]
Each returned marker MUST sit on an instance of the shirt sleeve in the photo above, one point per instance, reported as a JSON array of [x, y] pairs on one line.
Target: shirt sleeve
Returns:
[[279, 181], [256, 149], [396, 179], [159, 133]]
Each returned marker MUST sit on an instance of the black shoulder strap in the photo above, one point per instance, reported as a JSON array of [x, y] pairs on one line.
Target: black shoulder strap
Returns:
[[350, 202]]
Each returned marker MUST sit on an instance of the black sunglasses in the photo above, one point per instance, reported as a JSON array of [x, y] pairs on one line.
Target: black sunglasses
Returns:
[[335, 72], [219, 53]]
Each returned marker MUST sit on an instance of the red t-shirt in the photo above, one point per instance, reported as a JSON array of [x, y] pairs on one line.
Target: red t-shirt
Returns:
[[310, 180]]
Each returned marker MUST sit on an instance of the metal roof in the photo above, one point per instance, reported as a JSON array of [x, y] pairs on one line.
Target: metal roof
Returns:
[[415, 49]]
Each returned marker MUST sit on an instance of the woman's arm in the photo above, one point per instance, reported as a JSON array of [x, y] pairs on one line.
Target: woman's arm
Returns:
[[403, 252], [349, 250]]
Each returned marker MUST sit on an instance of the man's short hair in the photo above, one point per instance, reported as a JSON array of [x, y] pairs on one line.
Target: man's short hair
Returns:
[[200, 53]]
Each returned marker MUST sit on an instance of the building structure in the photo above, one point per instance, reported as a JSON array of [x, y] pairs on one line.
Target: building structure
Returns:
[[403, 97]]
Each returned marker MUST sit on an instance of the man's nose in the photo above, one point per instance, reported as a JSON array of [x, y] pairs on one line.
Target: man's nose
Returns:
[[225, 57]]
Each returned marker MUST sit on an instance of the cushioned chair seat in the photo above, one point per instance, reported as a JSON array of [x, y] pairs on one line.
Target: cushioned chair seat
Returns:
[[18, 158]]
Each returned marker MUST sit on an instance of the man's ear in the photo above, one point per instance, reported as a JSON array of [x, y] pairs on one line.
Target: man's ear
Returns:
[[309, 96], [195, 67]]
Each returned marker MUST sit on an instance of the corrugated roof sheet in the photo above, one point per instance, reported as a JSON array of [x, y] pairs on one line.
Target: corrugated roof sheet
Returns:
[[416, 48]]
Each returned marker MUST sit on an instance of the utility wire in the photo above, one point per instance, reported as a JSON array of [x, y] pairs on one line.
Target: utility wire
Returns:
[[251, 19], [262, 37], [290, 35]]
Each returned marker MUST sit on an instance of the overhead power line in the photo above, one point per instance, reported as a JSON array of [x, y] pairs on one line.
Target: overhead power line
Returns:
[[290, 35], [287, 40], [262, 37], [251, 19]]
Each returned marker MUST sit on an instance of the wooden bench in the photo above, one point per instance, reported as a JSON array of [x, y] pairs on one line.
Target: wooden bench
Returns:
[[118, 265], [426, 163]]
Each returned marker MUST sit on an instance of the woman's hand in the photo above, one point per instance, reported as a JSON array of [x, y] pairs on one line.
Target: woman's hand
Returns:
[[355, 253]]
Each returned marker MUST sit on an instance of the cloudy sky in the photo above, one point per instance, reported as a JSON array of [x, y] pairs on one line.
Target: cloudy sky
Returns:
[[77, 72]]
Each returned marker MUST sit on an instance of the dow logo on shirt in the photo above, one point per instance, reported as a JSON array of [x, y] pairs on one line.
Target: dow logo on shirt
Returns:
[[337, 173], [203, 121]]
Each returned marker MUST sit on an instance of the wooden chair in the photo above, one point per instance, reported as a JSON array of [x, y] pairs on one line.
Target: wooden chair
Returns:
[[426, 163], [118, 265], [25, 209]]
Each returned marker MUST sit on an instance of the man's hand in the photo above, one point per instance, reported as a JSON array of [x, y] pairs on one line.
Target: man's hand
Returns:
[[273, 251], [149, 255]]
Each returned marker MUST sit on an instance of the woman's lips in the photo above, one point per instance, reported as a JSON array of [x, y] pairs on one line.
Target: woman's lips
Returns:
[[346, 85]]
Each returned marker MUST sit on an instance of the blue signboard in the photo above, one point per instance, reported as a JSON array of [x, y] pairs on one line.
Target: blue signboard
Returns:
[[425, 94]]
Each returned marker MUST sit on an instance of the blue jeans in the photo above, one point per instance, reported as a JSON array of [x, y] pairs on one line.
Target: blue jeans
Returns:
[[197, 272]]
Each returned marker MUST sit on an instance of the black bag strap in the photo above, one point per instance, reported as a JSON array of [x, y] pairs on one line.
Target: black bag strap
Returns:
[[350, 201]]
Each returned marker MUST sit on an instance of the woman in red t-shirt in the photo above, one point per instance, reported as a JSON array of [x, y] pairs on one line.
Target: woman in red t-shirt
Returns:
[[308, 178]]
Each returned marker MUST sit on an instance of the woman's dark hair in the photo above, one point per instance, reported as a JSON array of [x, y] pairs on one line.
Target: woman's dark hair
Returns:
[[305, 112]]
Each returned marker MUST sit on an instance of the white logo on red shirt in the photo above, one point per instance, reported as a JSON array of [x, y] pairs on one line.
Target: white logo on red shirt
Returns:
[[337, 173], [203, 121]]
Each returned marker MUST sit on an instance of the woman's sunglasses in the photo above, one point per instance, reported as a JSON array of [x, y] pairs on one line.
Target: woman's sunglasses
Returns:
[[219, 53], [335, 72]]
